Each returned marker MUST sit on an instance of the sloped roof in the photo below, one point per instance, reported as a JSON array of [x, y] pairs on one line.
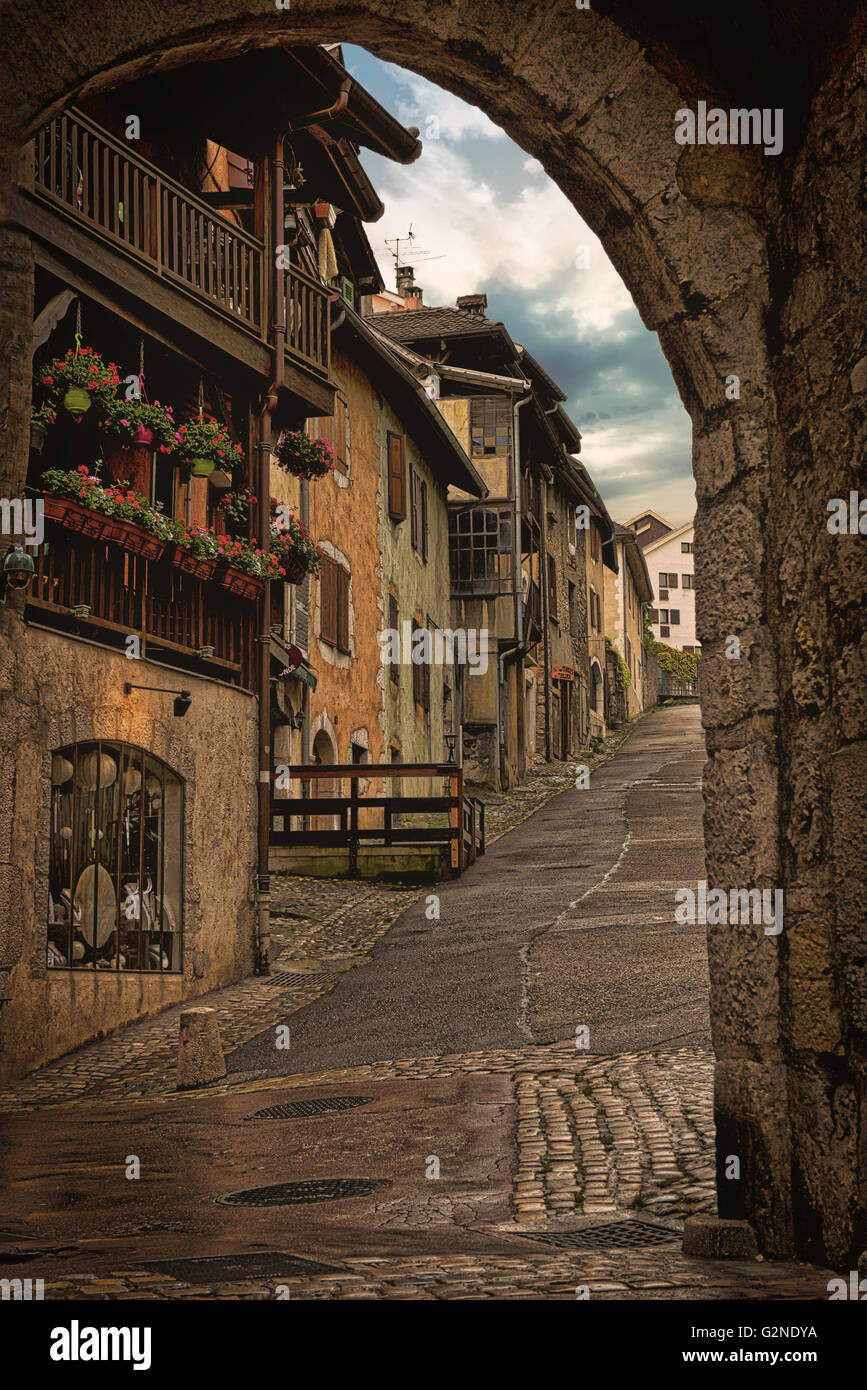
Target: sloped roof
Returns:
[[414, 325]]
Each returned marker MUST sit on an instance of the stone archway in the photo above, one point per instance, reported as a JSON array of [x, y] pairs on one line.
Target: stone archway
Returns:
[[745, 267]]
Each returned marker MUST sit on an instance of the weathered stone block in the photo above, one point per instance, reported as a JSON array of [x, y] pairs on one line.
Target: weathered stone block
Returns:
[[200, 1050], [713, 1238]]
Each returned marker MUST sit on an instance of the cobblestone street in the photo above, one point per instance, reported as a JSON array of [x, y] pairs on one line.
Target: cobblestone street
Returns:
[[539, 1140]]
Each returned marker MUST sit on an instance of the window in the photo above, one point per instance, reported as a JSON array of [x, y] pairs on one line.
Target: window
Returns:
[[396, 476], [480, 549], [595, 611], [687, 581], [394, 626], [674, 617], [686, 547], [663, 615], [490, 425], [668, 581], [594, 541], [573, 610], [115, 860], [552, 588], [334, 606], [420, 677], [418, 513]]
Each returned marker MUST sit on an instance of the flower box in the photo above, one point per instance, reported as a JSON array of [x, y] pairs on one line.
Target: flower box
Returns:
[[75, 517], [103, 528], [244, 585], [200, 566]]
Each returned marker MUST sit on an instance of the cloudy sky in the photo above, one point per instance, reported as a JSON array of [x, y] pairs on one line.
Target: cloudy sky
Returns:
[[498, 225]]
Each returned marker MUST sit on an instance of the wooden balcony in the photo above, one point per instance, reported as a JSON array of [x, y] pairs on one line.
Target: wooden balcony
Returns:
[[334, 832], [94, 588], [149, 235]]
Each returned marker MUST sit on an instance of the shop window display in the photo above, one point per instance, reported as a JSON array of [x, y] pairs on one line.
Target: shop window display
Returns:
[[114, 900]]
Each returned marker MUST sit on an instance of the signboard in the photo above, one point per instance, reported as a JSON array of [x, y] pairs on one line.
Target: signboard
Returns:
[[562, 673]]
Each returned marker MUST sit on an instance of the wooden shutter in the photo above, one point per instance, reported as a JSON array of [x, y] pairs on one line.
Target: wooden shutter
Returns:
[[672, 581], [394, 624], [301, 614], [423, 518], [397, 477], [339, 443], [342, 597], [413, 508], [328, 602]]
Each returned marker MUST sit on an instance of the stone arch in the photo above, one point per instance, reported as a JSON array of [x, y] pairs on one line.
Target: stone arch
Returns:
[[597, 688], [697, 239]]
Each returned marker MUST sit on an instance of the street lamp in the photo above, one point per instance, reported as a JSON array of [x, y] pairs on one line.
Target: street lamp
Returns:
[[182, 703], [451, 740], [17, 571]]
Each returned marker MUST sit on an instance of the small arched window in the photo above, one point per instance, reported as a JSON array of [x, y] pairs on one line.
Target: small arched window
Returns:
[[116, 860]]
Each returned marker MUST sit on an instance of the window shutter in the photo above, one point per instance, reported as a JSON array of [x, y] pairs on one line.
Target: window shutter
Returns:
[[342, 597], [674, 617], [397, 477], [340, 423], [301, 615], [672, 581], [394, 624], [413, 508], [423, 519], [328, 603]]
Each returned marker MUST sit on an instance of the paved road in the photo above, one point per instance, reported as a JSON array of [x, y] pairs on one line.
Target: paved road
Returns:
[[568, 920]]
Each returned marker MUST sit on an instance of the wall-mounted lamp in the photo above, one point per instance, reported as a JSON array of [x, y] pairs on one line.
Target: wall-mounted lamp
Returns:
[[182, 703], [17, 570], [451, 741]]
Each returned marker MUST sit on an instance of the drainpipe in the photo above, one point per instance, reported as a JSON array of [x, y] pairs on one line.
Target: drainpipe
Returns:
[[263, 886], [516, 545]]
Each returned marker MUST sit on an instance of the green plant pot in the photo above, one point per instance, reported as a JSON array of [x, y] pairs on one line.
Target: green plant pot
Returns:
[[77, 400], [202, 468]]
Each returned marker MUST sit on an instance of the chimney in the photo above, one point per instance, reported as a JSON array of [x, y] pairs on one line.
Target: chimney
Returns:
[[410, 293], [473, 303]]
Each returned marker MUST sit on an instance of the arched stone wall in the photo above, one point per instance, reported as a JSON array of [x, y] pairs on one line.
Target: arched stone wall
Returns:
[[742, 265]]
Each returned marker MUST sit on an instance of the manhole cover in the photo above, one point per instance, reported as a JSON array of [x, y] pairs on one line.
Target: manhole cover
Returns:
[[611, 1235], [297, 1109], [282, 1194], [265, 1264], [291, 979]]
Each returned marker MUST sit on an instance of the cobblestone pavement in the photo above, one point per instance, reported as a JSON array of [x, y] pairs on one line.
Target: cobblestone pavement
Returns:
[[661, 1273], [601, 1134]]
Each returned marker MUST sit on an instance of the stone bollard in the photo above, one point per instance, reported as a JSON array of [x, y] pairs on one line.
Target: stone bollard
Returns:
[[200, 1051], [714, 1238]]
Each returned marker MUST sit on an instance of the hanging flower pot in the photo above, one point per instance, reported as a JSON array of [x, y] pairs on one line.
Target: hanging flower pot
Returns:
[[143, 435], [304, 457], [296, 568], [77, 401], [38, 436], [40, 422], [206, 445]]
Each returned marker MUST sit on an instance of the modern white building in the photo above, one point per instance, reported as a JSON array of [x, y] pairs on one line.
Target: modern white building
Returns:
[[668, 553]]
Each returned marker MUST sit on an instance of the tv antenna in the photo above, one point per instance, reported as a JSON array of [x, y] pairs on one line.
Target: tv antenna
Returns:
[[416, 255]]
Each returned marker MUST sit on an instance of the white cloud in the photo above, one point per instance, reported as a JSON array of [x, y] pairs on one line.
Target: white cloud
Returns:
[[529, 240]]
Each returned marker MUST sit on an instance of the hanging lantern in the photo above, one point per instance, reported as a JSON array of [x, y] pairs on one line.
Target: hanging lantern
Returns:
[[132, 780], [96, 769], [61, 770]]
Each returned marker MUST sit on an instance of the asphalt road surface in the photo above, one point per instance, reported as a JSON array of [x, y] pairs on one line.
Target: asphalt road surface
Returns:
[[567, 922]]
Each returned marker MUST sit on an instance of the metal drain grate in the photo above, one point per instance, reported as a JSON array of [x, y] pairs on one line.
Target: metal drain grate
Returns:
[[612, 1235], [260, 1264], [296, 980], [298, 1109], [282, 1194]]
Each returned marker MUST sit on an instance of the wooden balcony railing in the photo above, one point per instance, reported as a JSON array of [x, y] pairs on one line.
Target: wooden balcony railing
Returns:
[[133, 205], [176, 616], [464, 831]]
